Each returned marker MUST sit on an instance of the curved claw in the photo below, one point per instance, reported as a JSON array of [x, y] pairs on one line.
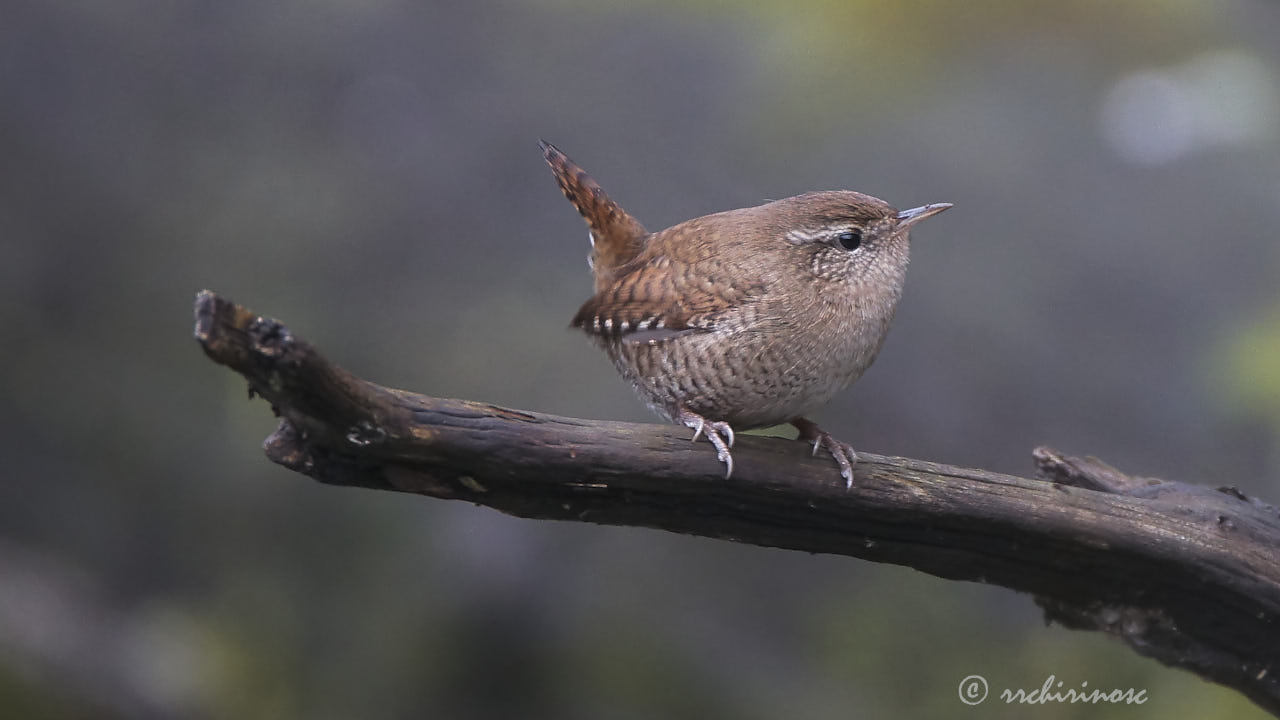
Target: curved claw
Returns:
[[724, 430], [722, 454], [717, 433], [845, 456]]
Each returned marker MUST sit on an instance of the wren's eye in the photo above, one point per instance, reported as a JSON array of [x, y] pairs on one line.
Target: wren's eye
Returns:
[[849, 239]]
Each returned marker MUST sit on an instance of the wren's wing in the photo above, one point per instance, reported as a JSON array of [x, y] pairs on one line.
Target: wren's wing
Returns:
[[660, 297], [616, 237]]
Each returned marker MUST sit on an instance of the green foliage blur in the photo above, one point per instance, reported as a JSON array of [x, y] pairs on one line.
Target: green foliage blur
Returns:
[[368, 173], [1251, 366]]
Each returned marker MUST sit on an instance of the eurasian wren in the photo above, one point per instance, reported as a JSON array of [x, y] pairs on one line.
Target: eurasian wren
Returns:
[[746, 318]]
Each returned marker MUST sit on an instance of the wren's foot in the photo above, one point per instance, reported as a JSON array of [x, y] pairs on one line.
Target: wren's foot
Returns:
[[717, 433], [844, 453]]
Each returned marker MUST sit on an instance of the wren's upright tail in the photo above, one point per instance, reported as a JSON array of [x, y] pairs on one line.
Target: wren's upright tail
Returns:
[[616, 237]]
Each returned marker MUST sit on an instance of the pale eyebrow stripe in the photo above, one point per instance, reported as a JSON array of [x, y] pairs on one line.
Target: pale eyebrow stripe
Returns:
[[805, 235]]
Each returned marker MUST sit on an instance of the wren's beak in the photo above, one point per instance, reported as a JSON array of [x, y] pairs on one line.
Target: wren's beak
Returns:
[[907, 218]]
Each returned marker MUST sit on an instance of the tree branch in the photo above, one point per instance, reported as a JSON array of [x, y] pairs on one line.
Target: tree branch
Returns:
[[1185, 574]]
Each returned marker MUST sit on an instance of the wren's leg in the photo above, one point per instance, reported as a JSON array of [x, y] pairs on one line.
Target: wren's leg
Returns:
[[844, 454], [717, 433]]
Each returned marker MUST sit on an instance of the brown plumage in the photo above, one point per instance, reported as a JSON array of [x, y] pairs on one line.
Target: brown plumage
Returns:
[[746, 318], [616, 237]]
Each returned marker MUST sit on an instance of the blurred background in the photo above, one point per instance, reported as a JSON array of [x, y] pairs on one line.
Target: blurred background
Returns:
[[368, 172]]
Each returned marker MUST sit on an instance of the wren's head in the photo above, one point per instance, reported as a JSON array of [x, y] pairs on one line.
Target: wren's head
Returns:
[[836, 236]]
